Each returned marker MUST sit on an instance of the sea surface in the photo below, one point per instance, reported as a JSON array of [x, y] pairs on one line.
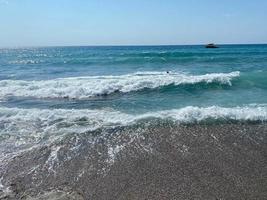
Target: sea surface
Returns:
[[47, 91], [50, 93]]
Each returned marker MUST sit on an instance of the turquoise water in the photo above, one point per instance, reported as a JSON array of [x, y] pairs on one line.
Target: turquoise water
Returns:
[[145, 68], [48, 93]]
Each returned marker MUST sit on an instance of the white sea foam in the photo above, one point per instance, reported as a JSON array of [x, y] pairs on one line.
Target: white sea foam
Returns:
[[85, 87], [25, 129], [25, 62], [35, 125]]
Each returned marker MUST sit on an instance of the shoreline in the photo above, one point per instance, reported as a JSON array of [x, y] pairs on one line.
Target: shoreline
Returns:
[[168, 161]]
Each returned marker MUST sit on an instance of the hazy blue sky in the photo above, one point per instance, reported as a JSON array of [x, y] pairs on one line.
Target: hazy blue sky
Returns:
[[122, 22]]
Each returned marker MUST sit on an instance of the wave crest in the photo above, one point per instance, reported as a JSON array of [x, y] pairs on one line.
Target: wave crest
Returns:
[[91, 86], [22, 129], [71, 120]]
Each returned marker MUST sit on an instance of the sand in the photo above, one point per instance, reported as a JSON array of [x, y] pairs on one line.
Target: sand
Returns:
[[166, 161]]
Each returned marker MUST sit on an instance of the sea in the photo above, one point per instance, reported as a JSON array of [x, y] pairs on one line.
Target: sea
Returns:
[[51, 94]]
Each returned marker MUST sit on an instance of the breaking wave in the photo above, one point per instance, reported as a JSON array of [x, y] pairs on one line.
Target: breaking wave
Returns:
[[39, 122], [91, 86], [25, 129]]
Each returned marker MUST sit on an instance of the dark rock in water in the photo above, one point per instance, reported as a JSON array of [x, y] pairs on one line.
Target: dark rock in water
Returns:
[[212, 46]]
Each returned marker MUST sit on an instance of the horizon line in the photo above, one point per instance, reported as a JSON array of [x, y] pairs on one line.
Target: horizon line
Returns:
[[125, 45]]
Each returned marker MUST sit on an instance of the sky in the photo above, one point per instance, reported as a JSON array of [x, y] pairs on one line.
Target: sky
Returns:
[[131, 22]]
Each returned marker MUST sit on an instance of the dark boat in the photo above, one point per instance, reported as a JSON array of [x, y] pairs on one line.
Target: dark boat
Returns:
[[211, 46]]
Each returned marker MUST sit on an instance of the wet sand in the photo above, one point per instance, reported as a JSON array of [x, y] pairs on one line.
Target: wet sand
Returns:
[[167, 161]]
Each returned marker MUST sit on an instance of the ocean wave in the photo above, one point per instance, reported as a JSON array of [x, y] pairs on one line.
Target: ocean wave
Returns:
[[91, 86], [39, 121], [24, 129], [25, 62]]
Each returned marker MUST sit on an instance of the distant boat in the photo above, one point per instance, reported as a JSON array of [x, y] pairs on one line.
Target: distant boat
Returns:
[[211, 46]]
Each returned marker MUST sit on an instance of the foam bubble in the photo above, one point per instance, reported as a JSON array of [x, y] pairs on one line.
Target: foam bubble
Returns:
[[86, 87]]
